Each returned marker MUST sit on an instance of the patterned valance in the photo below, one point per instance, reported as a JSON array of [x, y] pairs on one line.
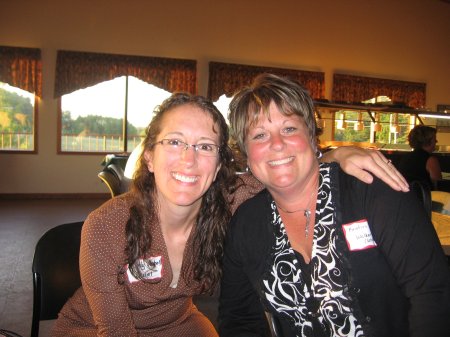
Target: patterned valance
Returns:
[[352, 89], [79, 70], [22, 68], [227, 78]]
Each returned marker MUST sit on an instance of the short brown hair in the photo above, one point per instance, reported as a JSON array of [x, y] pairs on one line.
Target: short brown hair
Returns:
[[289, 97], [420, 136]]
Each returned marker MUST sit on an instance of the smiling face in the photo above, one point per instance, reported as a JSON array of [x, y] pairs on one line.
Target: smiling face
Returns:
[[279, 152], [183, 178]]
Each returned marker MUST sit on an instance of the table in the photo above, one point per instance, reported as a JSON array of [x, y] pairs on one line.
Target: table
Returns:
[[440, 217], [441, 223], [444, 183]]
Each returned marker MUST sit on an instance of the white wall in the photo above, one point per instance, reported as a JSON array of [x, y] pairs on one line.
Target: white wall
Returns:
[[404, 40]]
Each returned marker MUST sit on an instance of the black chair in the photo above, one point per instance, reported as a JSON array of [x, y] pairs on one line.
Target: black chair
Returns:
[[274, 325], [423, 192], [7, 333], [113, 176], [209, 306], [56, 272]]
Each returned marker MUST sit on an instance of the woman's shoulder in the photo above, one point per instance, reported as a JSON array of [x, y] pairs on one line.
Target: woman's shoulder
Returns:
[[114, 205], [350, 185], [250, 229], [247, 186], [253, 209], [112, 214]]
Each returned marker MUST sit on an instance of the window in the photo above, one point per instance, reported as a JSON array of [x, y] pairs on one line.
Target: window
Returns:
[[222, 105], [358, 126], [16, 119], [20, 87], [380, 127], [107, 100], [376, 127], [92, 119]]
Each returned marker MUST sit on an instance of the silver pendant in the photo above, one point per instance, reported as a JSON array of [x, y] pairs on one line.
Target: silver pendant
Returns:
[[307, 215]]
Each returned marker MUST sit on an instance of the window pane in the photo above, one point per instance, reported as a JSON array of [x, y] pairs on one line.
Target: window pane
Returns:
[[142, 100], [393, 127], [16, 119], [222, 105], [92, 118], [352, 126]]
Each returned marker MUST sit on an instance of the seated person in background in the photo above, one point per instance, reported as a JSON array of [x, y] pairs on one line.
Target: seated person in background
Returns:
[[318, 250], [419, 164]]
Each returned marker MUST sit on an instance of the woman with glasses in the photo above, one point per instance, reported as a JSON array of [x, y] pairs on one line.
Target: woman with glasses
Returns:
[[145, 254]]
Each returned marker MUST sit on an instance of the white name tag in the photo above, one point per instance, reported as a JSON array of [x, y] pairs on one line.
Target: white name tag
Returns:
[[149, 269], [358, 235]]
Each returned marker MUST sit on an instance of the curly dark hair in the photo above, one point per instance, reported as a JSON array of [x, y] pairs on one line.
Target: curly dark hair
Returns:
[[215, 213]]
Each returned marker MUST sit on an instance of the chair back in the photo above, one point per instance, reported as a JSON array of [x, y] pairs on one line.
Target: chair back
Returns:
[[8, 333], [274, 325], [114, 178], [56, 272], [423, 192]]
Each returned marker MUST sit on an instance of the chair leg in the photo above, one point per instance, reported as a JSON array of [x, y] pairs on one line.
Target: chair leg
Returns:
[[36, 305]]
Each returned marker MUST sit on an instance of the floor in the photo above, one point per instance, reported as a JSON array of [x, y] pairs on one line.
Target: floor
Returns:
[[22, 223]]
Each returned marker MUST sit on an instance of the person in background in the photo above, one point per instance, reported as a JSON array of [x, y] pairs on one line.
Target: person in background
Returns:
[[317, 251], [146, 253], [420, 164]]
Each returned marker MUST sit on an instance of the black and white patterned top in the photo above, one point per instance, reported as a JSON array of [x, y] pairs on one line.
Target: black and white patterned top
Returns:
[[395, 284], [316, 300]]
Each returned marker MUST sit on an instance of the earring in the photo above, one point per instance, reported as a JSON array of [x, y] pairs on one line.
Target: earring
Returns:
[[319, 154]]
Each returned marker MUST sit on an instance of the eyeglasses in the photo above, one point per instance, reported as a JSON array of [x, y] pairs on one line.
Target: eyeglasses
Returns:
[[178, 146]]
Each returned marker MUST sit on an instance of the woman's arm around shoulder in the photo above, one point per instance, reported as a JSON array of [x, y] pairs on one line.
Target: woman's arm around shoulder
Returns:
[[362, 163]]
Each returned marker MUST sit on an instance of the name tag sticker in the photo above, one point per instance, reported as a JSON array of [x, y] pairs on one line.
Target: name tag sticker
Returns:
[[150, 269], [358, 235]]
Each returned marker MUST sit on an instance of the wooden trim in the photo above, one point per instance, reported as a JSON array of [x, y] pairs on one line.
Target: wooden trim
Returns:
[[59, 126], [37, 101], [25, 196]]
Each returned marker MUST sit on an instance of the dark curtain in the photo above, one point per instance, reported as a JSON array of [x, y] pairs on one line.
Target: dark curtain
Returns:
[[79, 70], [227, 78], [354, 89], [21, 68]]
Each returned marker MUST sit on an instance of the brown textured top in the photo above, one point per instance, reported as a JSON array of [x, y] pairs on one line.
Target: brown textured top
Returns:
[[103, 306]]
